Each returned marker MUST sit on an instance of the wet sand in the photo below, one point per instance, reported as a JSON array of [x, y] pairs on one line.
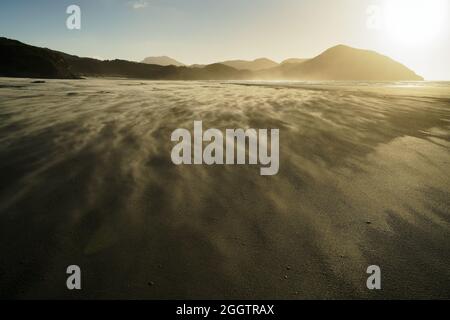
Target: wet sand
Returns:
[[87, 179]]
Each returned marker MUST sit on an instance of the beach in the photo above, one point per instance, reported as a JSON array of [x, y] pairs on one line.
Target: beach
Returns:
[[87, 180]]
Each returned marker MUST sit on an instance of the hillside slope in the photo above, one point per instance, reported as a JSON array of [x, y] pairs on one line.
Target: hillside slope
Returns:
[[255, 65], [344, 63], [162, 61], [338, 63], [24, 61]]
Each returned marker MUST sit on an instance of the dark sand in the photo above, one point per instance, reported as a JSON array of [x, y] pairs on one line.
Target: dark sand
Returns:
[[86, 179]]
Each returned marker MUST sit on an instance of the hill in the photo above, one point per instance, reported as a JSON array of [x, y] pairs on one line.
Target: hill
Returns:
[[21, 60], [338, 63], [24, 61], [293, 60], [162, 61], [255, 65], [344, 63]]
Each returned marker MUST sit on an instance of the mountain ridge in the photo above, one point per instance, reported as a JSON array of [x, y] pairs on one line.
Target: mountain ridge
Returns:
[[163, 61], [252, 65], [337, 63], [342, 62]]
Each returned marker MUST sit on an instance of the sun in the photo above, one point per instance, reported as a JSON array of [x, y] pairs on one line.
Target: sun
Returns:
[[415, 22]]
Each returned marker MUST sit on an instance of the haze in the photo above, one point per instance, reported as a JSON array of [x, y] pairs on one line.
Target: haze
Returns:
[[413, 32]]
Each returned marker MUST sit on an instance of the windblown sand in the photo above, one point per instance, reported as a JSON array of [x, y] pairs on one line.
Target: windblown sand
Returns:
[[87, 179]]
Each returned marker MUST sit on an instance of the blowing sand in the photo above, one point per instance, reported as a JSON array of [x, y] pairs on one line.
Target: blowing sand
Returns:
[[87, 179]]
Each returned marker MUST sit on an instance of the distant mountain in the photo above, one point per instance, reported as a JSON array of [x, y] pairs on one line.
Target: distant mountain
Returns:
[[120, 68], [344, 63], [24, 61], [21, 60], [255, 65], [162, 61], [294, 60], [197, 65], [338, 63]]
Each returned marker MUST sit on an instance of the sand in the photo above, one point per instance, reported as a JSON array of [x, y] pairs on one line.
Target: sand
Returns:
[[87, 179]]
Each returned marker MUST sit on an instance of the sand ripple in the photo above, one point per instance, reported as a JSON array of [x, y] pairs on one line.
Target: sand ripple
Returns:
[[87, 179]]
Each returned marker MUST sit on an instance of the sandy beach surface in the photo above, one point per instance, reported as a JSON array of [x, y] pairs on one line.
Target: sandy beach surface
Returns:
[[87, 179]]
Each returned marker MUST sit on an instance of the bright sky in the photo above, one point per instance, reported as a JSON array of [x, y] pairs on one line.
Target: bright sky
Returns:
[[414, 32]]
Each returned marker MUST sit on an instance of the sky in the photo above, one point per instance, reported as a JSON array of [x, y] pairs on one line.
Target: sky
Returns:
[[413, 32]]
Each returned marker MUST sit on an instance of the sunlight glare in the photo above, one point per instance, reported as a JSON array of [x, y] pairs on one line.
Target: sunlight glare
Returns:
[[415, 22]]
